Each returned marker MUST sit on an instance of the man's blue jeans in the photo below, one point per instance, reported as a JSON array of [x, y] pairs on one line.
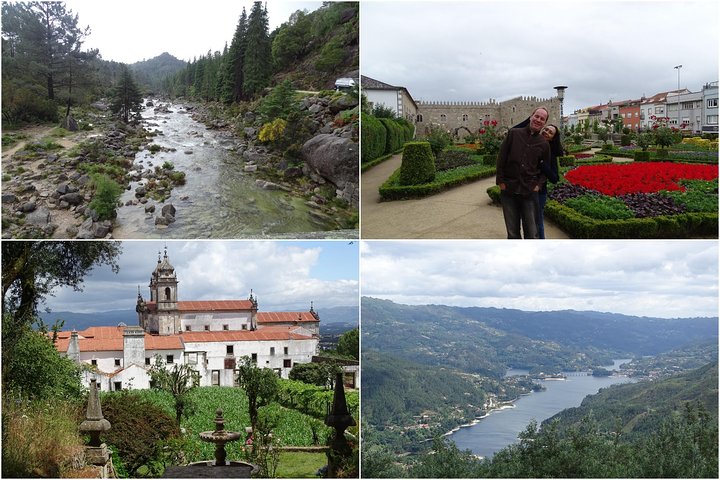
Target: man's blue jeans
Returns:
[[520, 209]]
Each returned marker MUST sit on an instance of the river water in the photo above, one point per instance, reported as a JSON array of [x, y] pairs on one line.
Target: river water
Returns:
[[501, 427], [219, 200]]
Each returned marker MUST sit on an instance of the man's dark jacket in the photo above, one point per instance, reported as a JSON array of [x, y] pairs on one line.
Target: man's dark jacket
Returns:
[[518, 164]]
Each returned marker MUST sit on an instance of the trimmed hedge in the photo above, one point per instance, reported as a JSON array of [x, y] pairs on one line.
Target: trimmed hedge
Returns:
[[311, 399], [418, 164], [394, 139], [373, 135], [641, 156], [392, 190]]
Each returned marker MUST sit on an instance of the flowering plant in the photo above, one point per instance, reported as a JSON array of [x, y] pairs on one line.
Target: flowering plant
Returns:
[[490, 137], [665, 136]]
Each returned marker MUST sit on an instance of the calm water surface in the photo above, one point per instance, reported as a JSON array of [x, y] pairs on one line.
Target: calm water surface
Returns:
[[502, 427]]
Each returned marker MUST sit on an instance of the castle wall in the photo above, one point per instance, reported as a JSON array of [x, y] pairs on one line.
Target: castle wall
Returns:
[[461, 118]]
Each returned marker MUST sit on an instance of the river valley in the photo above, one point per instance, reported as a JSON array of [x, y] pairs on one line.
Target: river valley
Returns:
[[501, 427], [219, 199]]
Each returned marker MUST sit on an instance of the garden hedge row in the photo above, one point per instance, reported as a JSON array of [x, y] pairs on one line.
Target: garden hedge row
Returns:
[[576, 225], [381, 136], [418, 164], [392, 190]]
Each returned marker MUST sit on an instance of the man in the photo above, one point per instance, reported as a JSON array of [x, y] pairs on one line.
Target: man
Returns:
[[519, 175]]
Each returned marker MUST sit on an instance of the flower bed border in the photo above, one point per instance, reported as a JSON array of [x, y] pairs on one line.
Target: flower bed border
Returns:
[[392, 190], [577, 225]]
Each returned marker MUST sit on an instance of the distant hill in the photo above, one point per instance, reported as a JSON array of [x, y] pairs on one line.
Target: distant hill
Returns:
[[347, 317], [641, 407], [151, 73], [488, 340]]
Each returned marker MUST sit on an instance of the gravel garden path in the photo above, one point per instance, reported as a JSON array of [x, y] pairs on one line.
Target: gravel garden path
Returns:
[[463, 212]]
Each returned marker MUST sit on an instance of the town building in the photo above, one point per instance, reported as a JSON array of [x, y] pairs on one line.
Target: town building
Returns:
[[210, 336], [398, 99], [709, 120]]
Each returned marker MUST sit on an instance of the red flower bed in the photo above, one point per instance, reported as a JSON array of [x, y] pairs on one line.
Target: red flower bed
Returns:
[[639, 177]]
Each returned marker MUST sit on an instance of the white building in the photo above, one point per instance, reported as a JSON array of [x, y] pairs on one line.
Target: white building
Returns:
[[208, 335], [396, 98], [710, 108]]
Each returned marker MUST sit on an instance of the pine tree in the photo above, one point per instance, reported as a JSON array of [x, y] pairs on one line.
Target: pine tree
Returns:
[[231, 87], [126, 96], [257, 67]]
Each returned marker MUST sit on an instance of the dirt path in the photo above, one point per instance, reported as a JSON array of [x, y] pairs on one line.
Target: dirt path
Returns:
[[461, 212], [37, 172]]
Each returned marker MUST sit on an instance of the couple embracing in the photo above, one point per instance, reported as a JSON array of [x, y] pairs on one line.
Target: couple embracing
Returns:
[[526, 161]]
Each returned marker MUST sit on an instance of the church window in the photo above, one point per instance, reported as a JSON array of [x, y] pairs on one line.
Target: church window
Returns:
[[226, 327], [244, 326], [465, 117], [167, 293], [147, 360], [285, 350], [419, 118], [188, 328], [118, 386], [253, 357], [207, 328], [229, 349], [272, 350], [216, 377], [117, 362], [287, 363], [93, 362], [169, 359]]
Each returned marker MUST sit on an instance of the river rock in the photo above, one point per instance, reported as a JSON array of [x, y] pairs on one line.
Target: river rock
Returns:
[[149, 208], [72, 198], [168, 210], [250, 131], [39, 217], [9, 198], [334, 158], [69, 123], [250, 168], [28, 207], [344, 102]]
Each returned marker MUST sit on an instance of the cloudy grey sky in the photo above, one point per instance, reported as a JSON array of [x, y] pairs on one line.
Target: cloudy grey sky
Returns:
[[643, 278], [284, 275], [129, 31], [483, 49]]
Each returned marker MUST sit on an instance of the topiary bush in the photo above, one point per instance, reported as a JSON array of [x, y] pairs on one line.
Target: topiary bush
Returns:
[[418, 164], [395, 138], [641, 156]]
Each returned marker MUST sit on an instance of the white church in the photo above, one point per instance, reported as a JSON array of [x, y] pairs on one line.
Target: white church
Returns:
[[210, 336]]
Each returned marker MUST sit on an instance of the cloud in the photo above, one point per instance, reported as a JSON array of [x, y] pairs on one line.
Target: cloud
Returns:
[[657, 278]]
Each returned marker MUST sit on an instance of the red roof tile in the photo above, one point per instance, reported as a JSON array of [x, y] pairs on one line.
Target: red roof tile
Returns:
[[268, 333], [104, 339], [276, 317]]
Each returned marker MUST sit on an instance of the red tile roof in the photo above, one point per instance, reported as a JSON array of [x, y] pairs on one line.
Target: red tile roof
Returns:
[[278, 317], [267, 333], [215, 305], [105, 339]]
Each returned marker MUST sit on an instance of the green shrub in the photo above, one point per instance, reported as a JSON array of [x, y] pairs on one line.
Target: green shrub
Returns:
[[178, 178], [566, 161], [418, 164], [438, 139], [395, 138], [373, 137], [139, 428], [641, 156], [107, 194], [600, 207], [625, 139], [168, 166]]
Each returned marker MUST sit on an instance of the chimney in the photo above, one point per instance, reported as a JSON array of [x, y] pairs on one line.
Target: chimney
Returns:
[[133, 346], [73, 351]]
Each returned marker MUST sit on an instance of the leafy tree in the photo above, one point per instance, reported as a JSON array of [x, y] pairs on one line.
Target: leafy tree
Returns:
[[382, 111], [292, 40], [349, 344], [258, 57], [260, 385], [178, 381], [447, 461], [127, 98], [31, 270], [321, 374], [37, 370]]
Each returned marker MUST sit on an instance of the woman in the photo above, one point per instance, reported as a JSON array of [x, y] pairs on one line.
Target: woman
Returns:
[[550, 170]]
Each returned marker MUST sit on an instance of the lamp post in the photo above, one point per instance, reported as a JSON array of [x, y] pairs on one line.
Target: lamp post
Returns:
[[561, 95], [677, 95]]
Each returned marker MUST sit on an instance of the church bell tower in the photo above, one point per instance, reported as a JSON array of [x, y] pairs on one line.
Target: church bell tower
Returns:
[[163, 292]]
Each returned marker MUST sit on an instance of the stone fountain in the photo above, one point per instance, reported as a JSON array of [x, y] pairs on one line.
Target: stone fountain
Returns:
[[220, 467]]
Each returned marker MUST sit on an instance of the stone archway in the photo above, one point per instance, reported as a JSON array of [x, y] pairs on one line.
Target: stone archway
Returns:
[[456, 132]]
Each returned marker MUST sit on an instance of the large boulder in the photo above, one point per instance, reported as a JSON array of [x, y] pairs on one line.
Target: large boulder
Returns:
[[333, 158]]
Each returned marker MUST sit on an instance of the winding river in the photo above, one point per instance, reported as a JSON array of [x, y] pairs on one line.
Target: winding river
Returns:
[[501, 427], [219, 200]]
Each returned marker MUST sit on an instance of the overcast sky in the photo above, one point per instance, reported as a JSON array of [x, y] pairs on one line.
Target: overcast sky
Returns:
[[601, 50], [644, 278], [284, 275], [129, 31]]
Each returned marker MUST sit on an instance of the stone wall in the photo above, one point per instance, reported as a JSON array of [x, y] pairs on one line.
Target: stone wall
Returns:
[[461, 118]]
